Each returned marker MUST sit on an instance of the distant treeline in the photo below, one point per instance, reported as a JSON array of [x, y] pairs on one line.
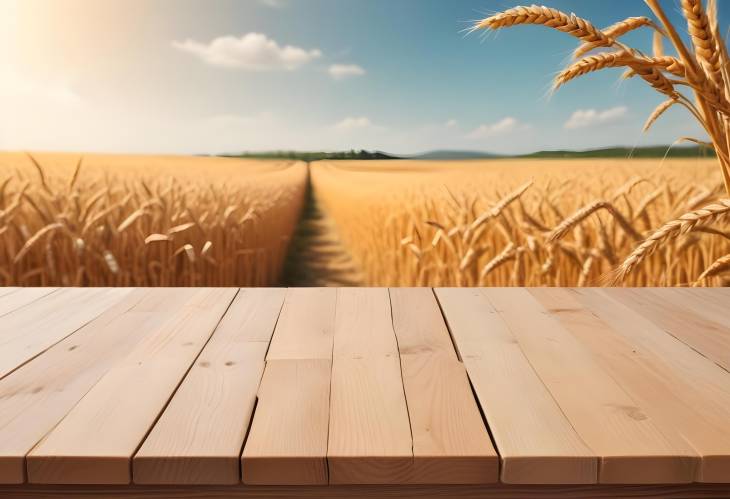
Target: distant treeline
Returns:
[[314, 156], [627, 152], [610, 152]]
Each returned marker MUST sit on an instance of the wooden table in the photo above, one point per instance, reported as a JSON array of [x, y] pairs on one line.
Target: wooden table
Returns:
[[364, 392]]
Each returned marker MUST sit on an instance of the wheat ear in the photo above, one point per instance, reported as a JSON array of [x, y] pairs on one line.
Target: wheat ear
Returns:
[[552, 18], [618, 29], [675, 228], [561, 230], [497, 208], [703, 39], [658, 111]]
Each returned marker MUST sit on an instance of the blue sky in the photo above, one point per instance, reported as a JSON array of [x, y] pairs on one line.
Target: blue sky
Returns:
[[194, 76]]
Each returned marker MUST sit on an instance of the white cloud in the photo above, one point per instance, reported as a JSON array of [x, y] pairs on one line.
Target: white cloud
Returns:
[[350, 123], [342, 71], [451, 123], [504, 126], [252, 51], [583, 118]]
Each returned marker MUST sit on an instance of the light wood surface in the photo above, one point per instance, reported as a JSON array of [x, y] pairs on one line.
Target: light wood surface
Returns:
[[612, 424], [703, 378], [536, 442], [693, 412], [29, 331], [287, 444], [450, 440], [39, 394], [95, 442], [679, 316], [364, 392], [370, 437], [199, 437], [12, 299], [305, 327]]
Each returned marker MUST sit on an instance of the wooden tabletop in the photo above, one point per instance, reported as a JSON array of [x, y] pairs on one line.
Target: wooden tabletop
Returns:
[[367, 386]]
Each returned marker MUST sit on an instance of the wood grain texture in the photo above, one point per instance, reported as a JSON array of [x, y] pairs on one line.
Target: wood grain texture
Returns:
[[676, 404], [711, 303], [40, 393], [29, 331], [497, 491], [699, 380], [616, 427], [370, 438], [199, 437], [536, 442], [365, 391], [287, 443], [95, 442], [305, 327], [418, 323], [12, 299], [685, 318], [450, 440]]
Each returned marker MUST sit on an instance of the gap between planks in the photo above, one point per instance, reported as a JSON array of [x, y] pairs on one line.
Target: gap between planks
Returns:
[[355, 341]]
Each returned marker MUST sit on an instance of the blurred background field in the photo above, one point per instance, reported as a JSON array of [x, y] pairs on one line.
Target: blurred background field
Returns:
[[104, 220], [488, 223]]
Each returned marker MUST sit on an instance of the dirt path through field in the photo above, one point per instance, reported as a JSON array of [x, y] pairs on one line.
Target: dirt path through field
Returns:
[[316, 256]]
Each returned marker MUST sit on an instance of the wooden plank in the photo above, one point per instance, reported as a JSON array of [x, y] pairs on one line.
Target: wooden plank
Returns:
[[12, 299], [630, 446], [713, 302], [689, 322], [675, 404], [29, 331], [493, 491], [418, 323], [39, 394], [287, 443], [450, 440], [95, 442], [702, 386], [369, 438], [199, 437], [535, 441], [305, 326]]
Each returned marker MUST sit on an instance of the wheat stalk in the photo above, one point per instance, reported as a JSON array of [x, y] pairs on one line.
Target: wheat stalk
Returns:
[[703, 68], [579, 216], [673, 229], [507, 254], [617, 30], [719, 266]]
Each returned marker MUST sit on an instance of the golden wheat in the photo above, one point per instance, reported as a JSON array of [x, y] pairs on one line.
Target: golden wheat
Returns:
[[145, 221], [701, 67], [495, 223]]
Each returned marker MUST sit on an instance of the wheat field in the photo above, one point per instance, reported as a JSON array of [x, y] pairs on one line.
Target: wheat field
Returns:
[[102, 220], [523, 222]]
